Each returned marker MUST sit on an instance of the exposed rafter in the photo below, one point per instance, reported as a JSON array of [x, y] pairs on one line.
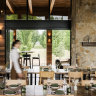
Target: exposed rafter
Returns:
[[52, 5], [30, 6], [9, 6]]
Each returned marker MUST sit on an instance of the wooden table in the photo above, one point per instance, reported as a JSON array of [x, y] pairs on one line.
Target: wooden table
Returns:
[[35, 90], [10, 82], [37, 70]]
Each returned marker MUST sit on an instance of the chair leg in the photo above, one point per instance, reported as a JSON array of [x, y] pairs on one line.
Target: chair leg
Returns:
[[32, 63], [23, 62], [40, 81], [39, 61]]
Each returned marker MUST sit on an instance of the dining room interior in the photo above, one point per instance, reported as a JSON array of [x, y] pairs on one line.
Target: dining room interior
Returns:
[[47, 48]]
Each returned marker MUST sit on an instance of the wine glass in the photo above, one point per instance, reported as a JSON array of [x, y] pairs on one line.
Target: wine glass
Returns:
[[91, 82], [49, 86]]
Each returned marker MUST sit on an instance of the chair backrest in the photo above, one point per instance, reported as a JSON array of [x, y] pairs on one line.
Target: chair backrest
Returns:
[[59, 82], [75, 75], [10, 82], [46, 74], [25, 74], [73, 67], [84, 82]]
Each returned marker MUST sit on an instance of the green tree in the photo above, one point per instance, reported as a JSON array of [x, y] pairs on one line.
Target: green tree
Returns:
[[25, 36], [60, 42], [43, 39]]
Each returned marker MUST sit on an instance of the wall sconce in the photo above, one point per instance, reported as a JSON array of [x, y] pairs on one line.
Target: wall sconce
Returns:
[[49, 40], [49, 36]]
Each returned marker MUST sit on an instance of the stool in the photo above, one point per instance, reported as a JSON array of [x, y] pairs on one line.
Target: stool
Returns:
[[26, 58], [38, 58]]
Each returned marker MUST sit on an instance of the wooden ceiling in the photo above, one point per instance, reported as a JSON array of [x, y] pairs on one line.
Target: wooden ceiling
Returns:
[[62, 3], [39, 7]]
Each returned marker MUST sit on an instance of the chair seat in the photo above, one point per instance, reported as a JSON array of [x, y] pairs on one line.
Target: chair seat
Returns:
[[35, 57], [28, 55], [26, 58]]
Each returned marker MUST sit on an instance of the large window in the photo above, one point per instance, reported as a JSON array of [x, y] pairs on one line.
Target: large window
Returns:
[[60, 45], [32, 40]]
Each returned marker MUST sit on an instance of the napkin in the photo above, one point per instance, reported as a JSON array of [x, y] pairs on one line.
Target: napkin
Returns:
[[59, 92], [9, 92], [54, 85], [14, 85], [46, 69]]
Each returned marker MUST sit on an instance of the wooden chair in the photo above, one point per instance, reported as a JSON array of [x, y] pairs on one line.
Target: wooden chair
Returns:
[[84, 82], [45, 74], [10, 82], [26, 77], [75, 75], [59, 82]]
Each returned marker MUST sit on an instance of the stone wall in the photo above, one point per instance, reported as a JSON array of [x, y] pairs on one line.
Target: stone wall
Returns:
[[85, 29]]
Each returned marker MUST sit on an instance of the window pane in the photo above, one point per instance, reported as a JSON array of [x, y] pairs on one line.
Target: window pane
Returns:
[[33, 40], [60, 9], [60, 45]]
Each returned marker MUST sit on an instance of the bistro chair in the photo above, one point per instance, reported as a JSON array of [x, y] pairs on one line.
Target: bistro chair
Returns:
[[88, 82], [75, 75], [46, 75], [27, 58], [36, 58]]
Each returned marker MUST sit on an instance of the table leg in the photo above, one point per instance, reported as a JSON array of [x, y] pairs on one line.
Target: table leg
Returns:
[[35, 79], [7, 75], [31, 79], [26, 59]]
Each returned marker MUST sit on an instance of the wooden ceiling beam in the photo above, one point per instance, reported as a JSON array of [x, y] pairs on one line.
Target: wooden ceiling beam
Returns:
[[52, 5], [9, 6], [30, 6]]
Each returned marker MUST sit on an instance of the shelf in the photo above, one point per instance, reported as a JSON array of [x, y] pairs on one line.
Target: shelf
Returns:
[[89, 44]]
